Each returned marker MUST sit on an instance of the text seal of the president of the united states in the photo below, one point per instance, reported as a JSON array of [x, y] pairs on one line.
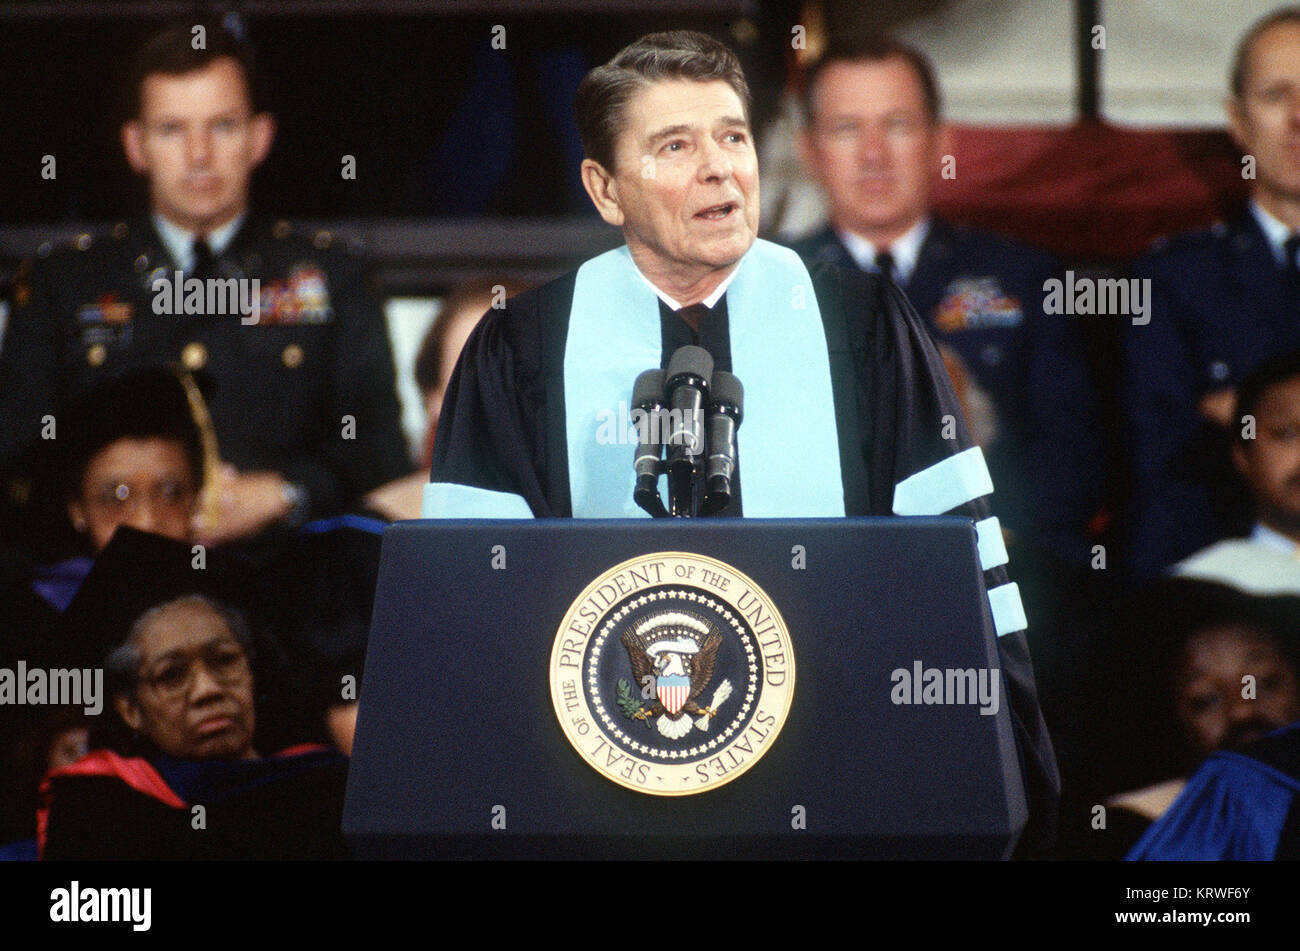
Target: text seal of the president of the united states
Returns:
[[672, 673]]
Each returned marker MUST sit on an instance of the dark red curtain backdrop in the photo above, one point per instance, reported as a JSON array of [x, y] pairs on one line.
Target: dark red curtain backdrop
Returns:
[[1091, 192]]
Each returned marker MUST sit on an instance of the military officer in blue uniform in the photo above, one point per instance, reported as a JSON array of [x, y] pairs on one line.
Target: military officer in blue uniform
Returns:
[[875, 142], [305, 408], [1223, 300]]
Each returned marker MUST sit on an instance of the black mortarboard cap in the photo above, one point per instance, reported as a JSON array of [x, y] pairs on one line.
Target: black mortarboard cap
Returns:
[[164, 402], [137, 571]]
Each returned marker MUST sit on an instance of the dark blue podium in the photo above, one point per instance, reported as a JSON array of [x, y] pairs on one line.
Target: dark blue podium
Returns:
[[459, 751]]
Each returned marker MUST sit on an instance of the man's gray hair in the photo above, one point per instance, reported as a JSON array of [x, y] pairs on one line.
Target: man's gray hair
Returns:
[[601, 101]]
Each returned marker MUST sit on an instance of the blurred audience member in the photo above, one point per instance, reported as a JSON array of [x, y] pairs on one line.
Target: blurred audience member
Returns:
[[306, 408], [129, 452], [875, 141], [58, 739], [183, 684], [326, 589], [1222, 301], [1210, 669], [457, 318], [1241, 805], [1266, 455], [135, 453]]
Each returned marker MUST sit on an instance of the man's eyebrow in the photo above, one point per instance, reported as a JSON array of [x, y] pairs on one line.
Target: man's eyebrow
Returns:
[[671, 130], [233, 112]]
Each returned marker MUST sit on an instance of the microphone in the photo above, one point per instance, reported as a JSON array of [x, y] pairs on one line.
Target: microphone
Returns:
[[648, 400], [725, 416], [689, 372]]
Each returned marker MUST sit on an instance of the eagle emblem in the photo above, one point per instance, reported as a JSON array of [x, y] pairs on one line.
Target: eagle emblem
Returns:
[[676, 652]]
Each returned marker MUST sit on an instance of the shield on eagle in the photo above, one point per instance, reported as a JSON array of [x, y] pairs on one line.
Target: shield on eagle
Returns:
[[673, 691]]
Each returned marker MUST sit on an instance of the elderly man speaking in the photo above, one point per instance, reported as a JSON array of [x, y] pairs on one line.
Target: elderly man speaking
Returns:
[[848, 410]]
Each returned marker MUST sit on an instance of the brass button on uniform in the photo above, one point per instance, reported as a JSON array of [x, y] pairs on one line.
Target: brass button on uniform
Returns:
[[96, 354], [292, 356], [194, 355]]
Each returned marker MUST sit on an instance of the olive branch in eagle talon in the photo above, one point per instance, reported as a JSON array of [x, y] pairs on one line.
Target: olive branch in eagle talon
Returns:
[[630, 703]]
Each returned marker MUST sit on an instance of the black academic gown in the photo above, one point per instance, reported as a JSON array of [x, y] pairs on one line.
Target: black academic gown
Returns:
[[502, 428]]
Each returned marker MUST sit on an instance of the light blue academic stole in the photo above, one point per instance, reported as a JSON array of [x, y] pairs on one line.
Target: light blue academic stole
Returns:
[[787, 443]]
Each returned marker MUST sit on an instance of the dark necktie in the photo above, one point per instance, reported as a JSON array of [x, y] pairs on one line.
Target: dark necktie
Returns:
[[694, 315], [1290, 248], [205, 263], [885, 265]]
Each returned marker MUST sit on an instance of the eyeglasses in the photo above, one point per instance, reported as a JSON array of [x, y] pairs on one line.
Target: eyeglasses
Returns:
[[173, 676], [118, 496]]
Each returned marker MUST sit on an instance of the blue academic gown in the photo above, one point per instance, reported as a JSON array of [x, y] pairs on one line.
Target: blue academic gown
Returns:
[[1240, 805]]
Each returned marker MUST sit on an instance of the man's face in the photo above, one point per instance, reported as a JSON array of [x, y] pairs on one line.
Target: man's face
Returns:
[[194, 698], [143, 483], [198, 141], [1265, 121], [1208, 689], [685, 186], [1270, 463], [873, 146]]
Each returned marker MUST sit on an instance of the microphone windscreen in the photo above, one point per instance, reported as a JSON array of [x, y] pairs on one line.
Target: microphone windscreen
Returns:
[[648, 388], [692, 360], [727, 389]]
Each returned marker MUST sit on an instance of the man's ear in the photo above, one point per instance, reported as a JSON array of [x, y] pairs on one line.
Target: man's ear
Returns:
[[130, 713], [77, 516], [603, 190], [133, 145], [807, 153], [263, 135], [1239, 460], [943, 139], [1236, 122]]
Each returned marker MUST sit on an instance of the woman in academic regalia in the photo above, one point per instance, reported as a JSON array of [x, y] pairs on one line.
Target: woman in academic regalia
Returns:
[[183, 775]]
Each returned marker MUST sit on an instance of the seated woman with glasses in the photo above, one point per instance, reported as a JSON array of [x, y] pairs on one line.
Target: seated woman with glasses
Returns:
[[130, 452], [183, 684]]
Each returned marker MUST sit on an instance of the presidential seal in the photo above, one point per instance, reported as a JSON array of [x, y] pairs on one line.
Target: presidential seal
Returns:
[[672, 674]]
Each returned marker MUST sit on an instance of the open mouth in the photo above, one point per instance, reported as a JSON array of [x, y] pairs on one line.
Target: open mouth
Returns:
[[717, 212]]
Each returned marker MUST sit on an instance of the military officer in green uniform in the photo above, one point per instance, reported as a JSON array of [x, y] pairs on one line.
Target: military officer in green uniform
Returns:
[[305, 408]]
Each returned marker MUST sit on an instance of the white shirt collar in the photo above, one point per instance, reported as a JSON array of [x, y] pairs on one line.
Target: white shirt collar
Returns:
[[1274, 231], [179, 242], [708, 302], [906, 250], [1263, 535]]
